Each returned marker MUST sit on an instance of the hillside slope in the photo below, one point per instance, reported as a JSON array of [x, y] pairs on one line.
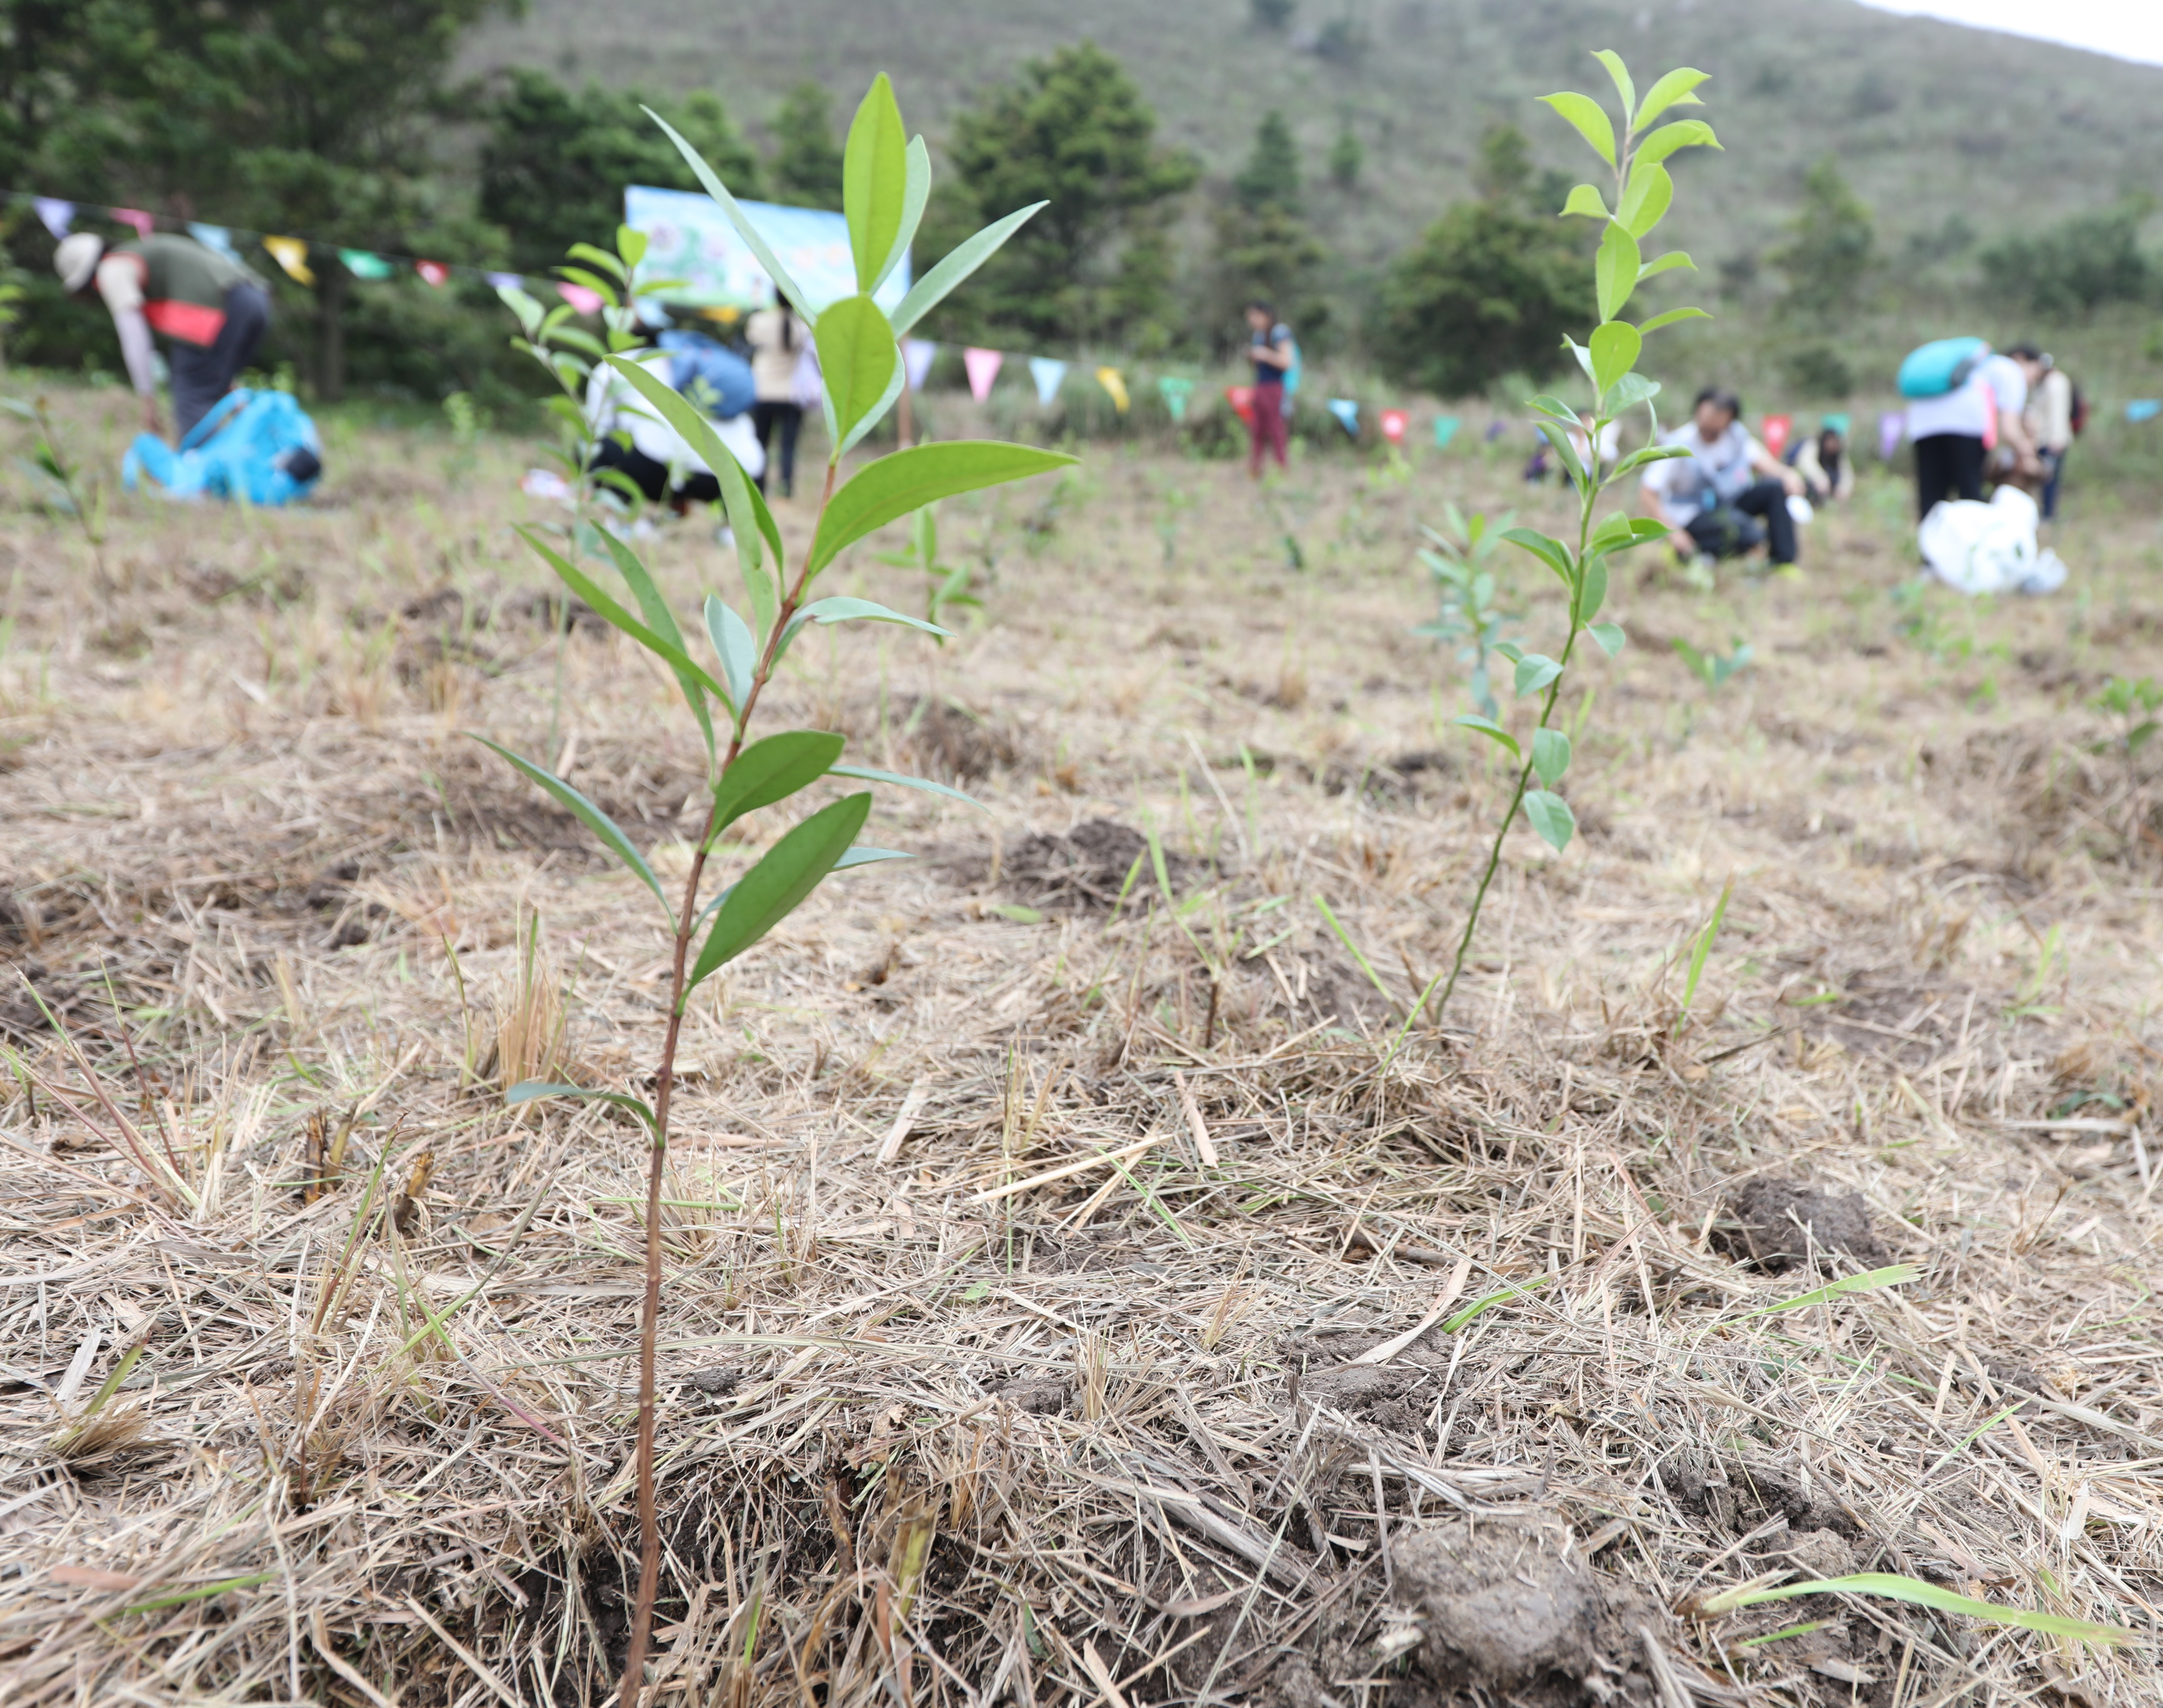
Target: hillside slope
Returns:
[[1929, 119]]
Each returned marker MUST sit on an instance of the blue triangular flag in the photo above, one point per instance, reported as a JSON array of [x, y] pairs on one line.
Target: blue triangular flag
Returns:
[[2144, 409], [1347, 411], [212, 237], [1050, 374], [57, 215]]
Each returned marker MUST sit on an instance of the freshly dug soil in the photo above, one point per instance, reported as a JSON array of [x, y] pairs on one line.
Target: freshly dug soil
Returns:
[[1780, 1224]]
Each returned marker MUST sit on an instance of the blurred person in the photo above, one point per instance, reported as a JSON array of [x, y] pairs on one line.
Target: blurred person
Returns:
[[1821, 459], [1729, 495], [1971, 431], [2051, 421], [210, 308], [649, 453], [777, 339], [1269, 348]]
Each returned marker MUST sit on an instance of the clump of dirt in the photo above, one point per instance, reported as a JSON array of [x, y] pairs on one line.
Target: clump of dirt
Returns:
[[1403, 778], [1042, 1397], [1087, 868], [545, 608], [946, 740], [1781, 1224], [1739, 1497], [1508, 1609]]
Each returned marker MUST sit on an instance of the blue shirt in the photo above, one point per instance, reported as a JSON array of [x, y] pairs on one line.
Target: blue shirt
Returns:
[[1267, 373]]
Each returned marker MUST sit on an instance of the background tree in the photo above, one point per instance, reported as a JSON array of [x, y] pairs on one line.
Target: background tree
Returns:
[[555, 162], [1490, 287], [807, 158], [2076, 266], [1347, 156], [1832, 248], [1095, 265], [1264, 246], [1273, 14]]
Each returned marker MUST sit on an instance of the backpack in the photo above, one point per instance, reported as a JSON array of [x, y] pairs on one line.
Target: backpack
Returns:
[[258, 447], [1942, 366]]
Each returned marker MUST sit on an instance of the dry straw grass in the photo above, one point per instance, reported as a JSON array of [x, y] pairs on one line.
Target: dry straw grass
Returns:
[[1049, 1253]]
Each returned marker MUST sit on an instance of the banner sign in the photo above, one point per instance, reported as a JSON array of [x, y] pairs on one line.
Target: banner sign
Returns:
[[689, 239]]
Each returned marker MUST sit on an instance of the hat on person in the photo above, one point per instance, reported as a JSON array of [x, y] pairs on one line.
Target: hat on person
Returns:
[[75, 260]]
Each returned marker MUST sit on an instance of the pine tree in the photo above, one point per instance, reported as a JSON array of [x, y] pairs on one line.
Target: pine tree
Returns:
[[807, 158], [1270, 177], [1346, 157], [1832, 248]]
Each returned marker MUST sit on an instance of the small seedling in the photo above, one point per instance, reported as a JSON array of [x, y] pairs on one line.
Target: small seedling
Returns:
[[1710, 667], [1465, 585], [1700, 949], [886, 177], [61, 485], [1643, 192], [949, 583], [2134, 705]]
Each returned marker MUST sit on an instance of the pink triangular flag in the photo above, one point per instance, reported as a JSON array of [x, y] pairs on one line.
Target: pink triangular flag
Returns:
[[435, 272], [983, 366], [142, 222], [1394, 423], [580, 298]]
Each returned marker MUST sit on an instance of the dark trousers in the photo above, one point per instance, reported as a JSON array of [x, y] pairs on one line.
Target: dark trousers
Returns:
[[2054, 470], [1947, 465], [203, 373], [788, 417], [1265, 432], [1759, 516], [651, 477]]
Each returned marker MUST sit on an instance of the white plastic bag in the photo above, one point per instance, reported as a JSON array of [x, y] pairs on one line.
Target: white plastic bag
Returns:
[[1981, 549]]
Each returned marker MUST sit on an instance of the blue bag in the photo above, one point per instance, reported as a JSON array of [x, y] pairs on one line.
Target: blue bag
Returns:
[[1944, 365], [722, 376], [258, 447]]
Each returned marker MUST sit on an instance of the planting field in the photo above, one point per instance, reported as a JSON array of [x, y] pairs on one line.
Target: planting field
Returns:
[[1087, 1282]]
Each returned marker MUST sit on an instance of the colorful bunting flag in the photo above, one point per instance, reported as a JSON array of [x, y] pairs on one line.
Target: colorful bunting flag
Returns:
[[1890, 426], [507, 281], [434, 272], [58, 215], [1115, 385], [2143, 409], [1050, 374], [1445, 430], [1778, 429], [983, 368], [1242, 400], [143, 224], [1394, 423], [1496, 429], [363, 266], [1176, 389], [1347, 411], [292, 254], [213, 236], [916, 357], [582, 300]]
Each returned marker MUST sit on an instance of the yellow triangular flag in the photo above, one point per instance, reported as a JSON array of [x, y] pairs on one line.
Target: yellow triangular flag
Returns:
[[292, 254], [1115, 383]]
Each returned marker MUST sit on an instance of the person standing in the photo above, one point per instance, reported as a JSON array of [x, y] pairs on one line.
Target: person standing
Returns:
[[210, 308], [777, 339], [1729, 495], [1974, 428], [2050, 422], [1269, 348]]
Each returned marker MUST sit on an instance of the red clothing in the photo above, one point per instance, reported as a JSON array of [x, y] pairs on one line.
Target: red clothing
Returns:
[[1266, 427]]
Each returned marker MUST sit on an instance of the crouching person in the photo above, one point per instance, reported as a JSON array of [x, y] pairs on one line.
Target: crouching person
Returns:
[[1729, 495]]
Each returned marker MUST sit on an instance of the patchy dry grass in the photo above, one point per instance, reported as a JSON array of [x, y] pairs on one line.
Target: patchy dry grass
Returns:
[[1045, 1245]]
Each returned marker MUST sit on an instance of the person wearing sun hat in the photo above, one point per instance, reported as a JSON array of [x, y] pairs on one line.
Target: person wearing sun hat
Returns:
[[212, 310]]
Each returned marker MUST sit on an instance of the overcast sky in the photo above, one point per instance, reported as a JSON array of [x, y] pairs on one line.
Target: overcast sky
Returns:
[[2130, 29]]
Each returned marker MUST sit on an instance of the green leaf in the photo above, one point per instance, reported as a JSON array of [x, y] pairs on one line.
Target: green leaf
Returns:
[[1608, 636], [874, 183], [788, 871], [1919, 1594], [858, 356], [770, 770], [914, 196], [530, 1091], [1592, 589], [1556, 437], [765, 602], [1664, 264], [866, 773], [1590, 119], [1620, 73], [1673, 317], [1551, 816], [1615, 347], [663, 622], [1630, 390], [1509, 650], [1672, 90], [1651, 190], [1683, 133], [893, 486], [1555, 409], [1894, 1275], [631, 244], [843, 609], [1585, 200], [1549, 550], [668, 652], [747, 513], [862, 855], [1550, 755], [599, 258], [782, 279], [1534, 672], [958, 264], [1616, 269], [734, 645], [1619, 533], [591, 816], [1491, 730]]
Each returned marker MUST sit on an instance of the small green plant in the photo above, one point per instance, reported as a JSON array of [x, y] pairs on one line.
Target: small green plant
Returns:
[[2134, 705], [949, 591], [886, 179], [1711, 669], [1465, 584], [463, 417], [61, 486], [1643, 191], [1701, 951]]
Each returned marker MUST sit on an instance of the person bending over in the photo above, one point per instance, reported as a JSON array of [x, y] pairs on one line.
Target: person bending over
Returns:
[[1729, 495], [1821, 459], [211, 309]]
